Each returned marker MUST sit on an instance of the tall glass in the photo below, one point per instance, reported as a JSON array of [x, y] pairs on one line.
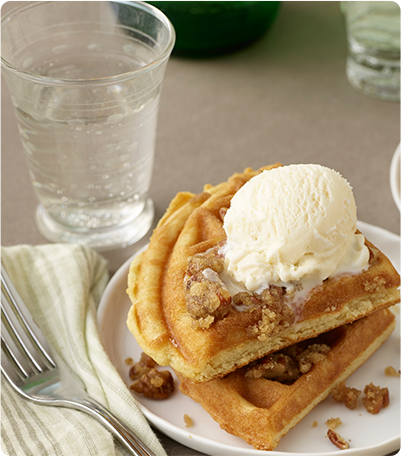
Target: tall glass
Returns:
[[85, 79], [373, 31]]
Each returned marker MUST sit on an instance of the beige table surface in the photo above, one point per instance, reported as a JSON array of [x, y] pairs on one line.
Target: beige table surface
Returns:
[[284, 98]]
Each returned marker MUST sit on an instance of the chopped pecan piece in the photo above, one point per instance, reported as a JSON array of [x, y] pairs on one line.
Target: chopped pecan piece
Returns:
[[312, 355], [288, 364], [155, 384], [276, 366], [142, 367], [247, 300], [206, 295], [275, 313], [208, 299], [211, 259], [346, 394], [336, 438], [375, 398], [272, 295], [268, 323]]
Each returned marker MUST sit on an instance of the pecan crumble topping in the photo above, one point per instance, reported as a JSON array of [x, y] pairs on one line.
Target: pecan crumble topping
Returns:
[[332, 423], [152, 383], [276, 366], [288, 364], [208, 299], [346, 394], [375, 398], [312, 355], [206, 295], [155, 384], [142, 367]]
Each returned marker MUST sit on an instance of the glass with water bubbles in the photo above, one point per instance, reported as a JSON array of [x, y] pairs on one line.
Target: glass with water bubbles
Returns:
[[85, 80], [373, 31]]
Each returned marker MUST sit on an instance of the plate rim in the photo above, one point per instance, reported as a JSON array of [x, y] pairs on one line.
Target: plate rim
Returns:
[[395, 176]]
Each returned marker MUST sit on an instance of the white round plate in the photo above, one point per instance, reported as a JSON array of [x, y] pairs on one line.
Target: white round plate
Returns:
[[395, 182], [375, 435]]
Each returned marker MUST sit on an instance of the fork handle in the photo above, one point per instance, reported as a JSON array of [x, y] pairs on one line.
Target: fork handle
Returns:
[[130, 441]]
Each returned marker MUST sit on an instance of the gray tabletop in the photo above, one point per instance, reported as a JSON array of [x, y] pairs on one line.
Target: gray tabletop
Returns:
[[284, 98]]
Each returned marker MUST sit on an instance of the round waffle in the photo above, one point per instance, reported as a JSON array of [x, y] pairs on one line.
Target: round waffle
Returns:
[[262, 411], [205, 348]]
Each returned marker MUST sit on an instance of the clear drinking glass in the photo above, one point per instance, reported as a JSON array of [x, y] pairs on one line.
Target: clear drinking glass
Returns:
[[373, 63], [85, 79]]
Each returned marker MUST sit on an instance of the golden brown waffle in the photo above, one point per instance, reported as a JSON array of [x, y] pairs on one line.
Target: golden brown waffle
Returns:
[[262, 411], [164, 328]]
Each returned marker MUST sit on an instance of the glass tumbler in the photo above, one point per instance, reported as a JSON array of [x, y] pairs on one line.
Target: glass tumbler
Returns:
[[85, 79], [373, 63]]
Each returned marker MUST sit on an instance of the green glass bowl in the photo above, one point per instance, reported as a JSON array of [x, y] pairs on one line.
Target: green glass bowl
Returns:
[[209, 28]]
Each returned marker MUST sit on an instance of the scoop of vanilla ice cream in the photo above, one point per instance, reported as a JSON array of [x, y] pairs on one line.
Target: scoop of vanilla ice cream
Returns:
[[293, 223]]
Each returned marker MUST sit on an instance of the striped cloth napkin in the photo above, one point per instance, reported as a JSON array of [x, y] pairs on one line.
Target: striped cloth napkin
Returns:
[[61, 286]]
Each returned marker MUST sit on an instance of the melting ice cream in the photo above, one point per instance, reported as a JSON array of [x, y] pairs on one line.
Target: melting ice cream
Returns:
[[293, 223]]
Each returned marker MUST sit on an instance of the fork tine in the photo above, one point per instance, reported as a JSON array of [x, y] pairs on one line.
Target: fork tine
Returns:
[[8, 368], [10, 350], [15, 342], [18, 307]]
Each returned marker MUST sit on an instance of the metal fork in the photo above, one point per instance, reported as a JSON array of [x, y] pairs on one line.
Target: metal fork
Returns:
[[29, 367]]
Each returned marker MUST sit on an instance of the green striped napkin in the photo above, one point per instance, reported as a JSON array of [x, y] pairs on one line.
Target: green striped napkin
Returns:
[[61, 286]]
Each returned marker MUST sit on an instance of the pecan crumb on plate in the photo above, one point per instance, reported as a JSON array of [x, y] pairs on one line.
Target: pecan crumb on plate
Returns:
[[337, 440], [375, 398], [188, 421], [149, 381], [332, 423], [391, 372], [346, 394], [155, 384]]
